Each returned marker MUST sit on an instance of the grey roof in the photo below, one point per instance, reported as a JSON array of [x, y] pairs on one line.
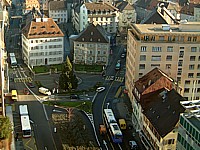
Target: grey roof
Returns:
[[58, 5], [162, 111], [93, 33]]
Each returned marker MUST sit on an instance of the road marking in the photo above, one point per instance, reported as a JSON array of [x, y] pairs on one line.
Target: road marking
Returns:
[[26, 144]]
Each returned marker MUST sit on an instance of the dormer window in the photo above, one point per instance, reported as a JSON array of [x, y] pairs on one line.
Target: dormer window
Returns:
[[42, 26], [99, 40], [34, 27], [91, 33], [52, 26], [91, 39], [82, 39]]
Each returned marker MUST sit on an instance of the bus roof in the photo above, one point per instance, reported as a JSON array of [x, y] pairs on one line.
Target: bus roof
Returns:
[[25, 122], [23, 109], [109, 115], [122, 121], [115, 129]]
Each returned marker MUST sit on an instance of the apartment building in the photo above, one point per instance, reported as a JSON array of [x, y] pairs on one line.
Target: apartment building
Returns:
[[58, 11], [172, 48], [127, 14], [29, 4], [42, 43], [92, 46], [189, 126], [197, 13], [156, 107], [102, 13]]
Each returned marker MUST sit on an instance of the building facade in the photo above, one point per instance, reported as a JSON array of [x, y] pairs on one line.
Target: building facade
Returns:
[[42, 43], [58, 11], [127, 15], [29, 4], [92, 46], [104, 14], [172, 48], [189, 127]]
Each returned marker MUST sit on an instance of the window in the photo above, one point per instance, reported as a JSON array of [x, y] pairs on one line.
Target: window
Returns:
[[182, 38], [153, 38], [180, 63], [140, 74], [169, 38], [142, 66], [143, 49], [199, 58], [191, 67], [168, 66], [161, 38], [198, 90], [179, 71], [190, 75], [194, 39], [198, 75], [192, 58], [187, 81], [142, 57], [156, 49], [189, 38], [198, 67], [193, 49], [181, 54], [146, 38], [186, 90], [156, 58], [169, 48], [155, 65], [169, 58]]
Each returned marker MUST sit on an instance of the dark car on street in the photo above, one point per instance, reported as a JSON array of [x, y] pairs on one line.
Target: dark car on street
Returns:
[[74, 96], [30, 85]]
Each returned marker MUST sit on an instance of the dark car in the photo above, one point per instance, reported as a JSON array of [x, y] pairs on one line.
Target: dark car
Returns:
[[30, 85], [73, 96]]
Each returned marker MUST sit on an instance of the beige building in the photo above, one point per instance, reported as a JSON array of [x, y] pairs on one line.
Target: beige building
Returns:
[[172, 48], [197, 13], [29, 4], [92, 46], [127, 15]]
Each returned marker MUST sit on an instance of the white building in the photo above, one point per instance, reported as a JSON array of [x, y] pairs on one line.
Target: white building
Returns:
[[58, 11], [104, 14], [42, 43]]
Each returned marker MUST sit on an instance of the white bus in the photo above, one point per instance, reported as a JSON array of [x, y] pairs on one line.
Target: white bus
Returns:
[[26, 127], [13, 61], [23, 110]]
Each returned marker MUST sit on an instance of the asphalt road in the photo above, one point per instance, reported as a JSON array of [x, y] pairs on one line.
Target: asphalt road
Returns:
[[104, 98]]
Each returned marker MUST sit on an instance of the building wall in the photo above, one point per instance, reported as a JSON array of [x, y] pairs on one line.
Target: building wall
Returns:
[[188, 135], [179, 58], [197, 14], [91, 53], [126, 17], [42, 51], [59, 16], [109, 20]]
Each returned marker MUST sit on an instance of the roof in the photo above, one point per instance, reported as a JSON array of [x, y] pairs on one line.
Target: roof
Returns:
[[162, 108], [100, 7], [150, 78], [188, 9], [147, 4], [42, 29], [58, 5], [158, 15], [124, 6], [93, 33]]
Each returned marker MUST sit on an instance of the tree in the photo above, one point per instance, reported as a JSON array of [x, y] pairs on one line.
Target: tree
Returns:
[[5, 128], [67, 79]]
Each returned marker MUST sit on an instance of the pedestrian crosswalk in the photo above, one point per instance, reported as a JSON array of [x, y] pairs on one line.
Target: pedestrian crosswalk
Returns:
[[113, 78], [27, 79], [90, 116]]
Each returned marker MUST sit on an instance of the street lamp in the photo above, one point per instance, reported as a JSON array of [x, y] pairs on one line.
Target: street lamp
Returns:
[[107, 105]]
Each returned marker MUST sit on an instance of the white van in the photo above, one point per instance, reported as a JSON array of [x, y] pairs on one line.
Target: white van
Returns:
[[44, 91]]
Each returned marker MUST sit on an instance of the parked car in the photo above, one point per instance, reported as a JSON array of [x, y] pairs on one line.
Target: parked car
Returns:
[[133, 145], [73, 96], [123, 55], [26, 91], [30, 85], [100, 89]]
